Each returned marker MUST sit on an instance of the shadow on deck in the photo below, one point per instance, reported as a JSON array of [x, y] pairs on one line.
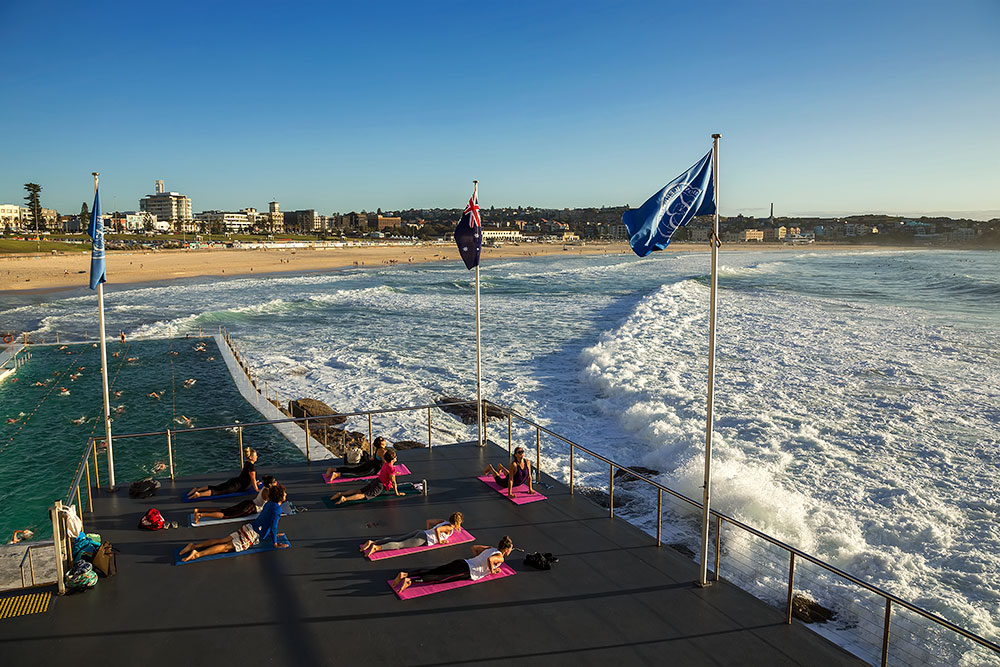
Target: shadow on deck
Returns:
[[614, 596]]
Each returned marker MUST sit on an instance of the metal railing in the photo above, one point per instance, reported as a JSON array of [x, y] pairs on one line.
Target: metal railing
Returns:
[[794, 555]]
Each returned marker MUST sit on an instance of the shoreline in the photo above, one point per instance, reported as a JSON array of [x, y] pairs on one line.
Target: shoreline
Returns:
[[38, 274]]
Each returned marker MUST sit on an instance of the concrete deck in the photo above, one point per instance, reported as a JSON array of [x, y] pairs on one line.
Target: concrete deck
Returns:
[[614, 596]]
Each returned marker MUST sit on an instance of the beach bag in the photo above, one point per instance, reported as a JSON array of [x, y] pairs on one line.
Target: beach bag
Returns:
[[152, 520], [74, 524], [353, 456], [104, 560], [81, 576], [85, 546], [540, 561], [144, 488]]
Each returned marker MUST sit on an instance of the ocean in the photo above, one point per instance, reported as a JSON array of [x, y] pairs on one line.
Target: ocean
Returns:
[[857, 392]]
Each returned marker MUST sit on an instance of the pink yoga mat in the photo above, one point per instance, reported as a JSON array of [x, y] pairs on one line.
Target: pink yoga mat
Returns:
[[460, 537], [521, 495], [420, 590], [400, 470]]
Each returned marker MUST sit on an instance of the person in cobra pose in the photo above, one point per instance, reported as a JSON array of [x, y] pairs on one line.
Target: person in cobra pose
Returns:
[[484, 561], [246, 480], [435, 531], [242, 508], [519, 473], [261, 530], [386, 481], [365, 468]]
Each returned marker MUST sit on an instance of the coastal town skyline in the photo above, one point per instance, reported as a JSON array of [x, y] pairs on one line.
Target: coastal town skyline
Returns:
[[827, 111]]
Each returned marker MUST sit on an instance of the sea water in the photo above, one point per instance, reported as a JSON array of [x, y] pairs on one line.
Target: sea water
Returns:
[[857, 394]]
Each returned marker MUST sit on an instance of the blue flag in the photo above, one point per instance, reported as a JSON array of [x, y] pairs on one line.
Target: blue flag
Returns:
[[96, 231], [692, 193], [469, 232]]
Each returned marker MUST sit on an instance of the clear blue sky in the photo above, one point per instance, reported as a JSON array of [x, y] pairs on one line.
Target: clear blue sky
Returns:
[[824, 107]]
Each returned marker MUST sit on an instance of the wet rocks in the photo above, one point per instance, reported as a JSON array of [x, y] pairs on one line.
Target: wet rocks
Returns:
[[601, 497], [467, 411], [622, 474], [408, 444], [310, 407], [808, 610]]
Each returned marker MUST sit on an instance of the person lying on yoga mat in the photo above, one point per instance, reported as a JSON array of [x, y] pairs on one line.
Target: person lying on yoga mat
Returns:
[[365, 468], [436, 532], [261, 530], [386, 481], [246, 480], [519, 473], [485, 561], [243, 508]]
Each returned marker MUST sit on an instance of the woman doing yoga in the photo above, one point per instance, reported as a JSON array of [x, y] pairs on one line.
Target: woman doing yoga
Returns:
[[485, 561], [246, 480], [518, 474], [386, 481], [436, 532], [244, 508], [261, 530], [365, 468]]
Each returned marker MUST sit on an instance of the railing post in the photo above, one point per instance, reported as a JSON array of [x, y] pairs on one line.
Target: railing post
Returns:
[[885, 632], [538, 454], [659, 513], [611, 491], [428, 428], [79, 502], [482, 408], [170, 454], [370, 445], [239, 440], [571, 450], [509, 436], [97, 473], [326, 430], [718, 543], [791, 587], [90, 495], [31, 566], [308, 460]]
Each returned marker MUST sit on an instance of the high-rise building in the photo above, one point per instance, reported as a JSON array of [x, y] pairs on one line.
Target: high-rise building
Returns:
[[169, 206]]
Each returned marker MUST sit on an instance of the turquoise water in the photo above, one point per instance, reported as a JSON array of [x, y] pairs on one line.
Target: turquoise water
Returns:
[[52, 422]]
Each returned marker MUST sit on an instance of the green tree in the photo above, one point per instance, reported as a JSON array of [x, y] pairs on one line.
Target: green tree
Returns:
[[33, 199], [84, 216]]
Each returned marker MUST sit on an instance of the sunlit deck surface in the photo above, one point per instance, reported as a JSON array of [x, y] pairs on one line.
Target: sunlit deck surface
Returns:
[[614, 598]]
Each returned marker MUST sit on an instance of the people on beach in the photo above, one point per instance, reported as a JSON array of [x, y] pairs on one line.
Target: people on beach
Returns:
[[121, 336], [365, 468], [485, 561], [246, 480], [386, 481], [519, 473], [436, 531], [259, 531], [242, 508]]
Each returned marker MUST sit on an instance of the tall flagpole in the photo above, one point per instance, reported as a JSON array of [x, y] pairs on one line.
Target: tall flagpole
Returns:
[[479, 368], [104, 373], [713, 300]]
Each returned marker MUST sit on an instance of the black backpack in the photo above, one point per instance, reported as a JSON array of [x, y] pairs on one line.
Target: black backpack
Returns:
[[540, 561], [144, 488]]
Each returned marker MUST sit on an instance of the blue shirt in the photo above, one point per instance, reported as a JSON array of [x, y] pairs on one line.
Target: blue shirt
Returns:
[[266, 522]]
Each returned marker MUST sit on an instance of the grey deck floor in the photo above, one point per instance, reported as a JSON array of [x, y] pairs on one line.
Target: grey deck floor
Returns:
[[613, 597]]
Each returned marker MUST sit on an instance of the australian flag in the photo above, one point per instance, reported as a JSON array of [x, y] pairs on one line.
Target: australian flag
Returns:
[[692, 193], [469, 232], [96, 231]]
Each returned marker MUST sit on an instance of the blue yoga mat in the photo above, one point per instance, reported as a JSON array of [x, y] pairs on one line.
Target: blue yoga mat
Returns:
[[185, 499], [231, 554]]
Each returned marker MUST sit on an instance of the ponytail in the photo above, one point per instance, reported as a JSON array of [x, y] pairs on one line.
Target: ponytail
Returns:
[[249, 452]]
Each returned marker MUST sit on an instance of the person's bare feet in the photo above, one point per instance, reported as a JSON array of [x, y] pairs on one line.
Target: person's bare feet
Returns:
[[188, 547], [366, 545], [333, 475], [373, 549], [399, 577], [190, 556], [339, 500], [406, 584], [196, 518]]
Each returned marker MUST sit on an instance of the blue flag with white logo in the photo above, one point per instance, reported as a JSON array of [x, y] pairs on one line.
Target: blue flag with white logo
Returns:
[[96, 231], [692, 193]]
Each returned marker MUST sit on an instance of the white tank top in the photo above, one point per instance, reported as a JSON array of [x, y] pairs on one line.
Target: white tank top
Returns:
[[260, 500], [432, 536], [479, 566]]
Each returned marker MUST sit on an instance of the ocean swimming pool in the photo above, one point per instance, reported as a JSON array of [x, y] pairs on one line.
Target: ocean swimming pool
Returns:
[[52, 405]]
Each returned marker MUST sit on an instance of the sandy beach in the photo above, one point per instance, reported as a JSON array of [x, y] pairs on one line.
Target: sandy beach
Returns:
[[19, 273]]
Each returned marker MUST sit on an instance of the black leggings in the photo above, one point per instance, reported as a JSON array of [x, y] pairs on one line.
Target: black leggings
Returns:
[[453, 571]]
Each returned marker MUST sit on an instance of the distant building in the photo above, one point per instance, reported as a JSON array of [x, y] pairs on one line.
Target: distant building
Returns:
[[699, 234], [171, 207], [275, 221], [12, 215], [381, 222], [497, 234], [231, 222], [303, 222], [772, 234]]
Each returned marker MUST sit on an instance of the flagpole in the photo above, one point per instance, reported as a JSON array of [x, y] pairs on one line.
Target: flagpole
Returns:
[[713, 301], [104, 373], [479, 368]]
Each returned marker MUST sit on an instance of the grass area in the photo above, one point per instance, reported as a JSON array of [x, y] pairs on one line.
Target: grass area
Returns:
[[11, 246]]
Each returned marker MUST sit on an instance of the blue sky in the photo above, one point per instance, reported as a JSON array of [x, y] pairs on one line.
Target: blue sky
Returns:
[[825, 107]]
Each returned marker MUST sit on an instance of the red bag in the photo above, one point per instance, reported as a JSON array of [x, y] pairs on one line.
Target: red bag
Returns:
[[152, 520]]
